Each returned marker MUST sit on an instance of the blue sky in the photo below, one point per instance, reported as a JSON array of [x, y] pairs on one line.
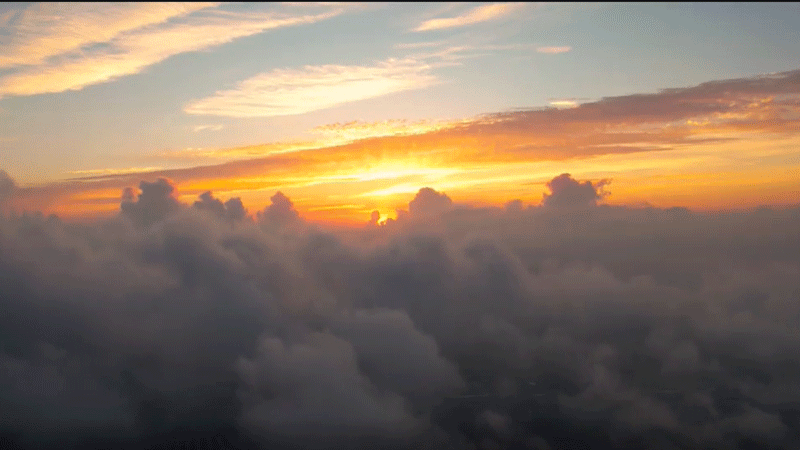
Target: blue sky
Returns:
[[141, 86]]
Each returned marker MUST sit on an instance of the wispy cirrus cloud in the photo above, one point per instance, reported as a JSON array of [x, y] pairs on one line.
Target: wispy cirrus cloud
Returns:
[[101, 172], [283, 92], [208, 127], [475, 15], [47, 53], [554, 50], [45, 30]]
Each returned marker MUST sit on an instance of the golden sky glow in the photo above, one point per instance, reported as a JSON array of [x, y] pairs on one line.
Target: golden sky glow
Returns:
[[355, 130], [736, 141]]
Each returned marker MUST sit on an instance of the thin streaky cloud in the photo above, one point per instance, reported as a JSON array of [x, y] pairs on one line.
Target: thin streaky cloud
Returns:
[[564, 103], [211, 127], [414, 45], [45, 30], [478, 14], [284, 92], [131, 52], [554, 50], [100, 172]]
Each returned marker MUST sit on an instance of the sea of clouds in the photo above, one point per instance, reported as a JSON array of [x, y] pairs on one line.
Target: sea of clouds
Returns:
[[569, 324]]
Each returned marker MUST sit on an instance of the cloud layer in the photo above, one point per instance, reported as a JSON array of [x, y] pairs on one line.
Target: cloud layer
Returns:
[[450, 327]]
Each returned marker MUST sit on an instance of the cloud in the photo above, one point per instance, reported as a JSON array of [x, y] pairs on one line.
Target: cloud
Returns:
[[428, 202], [608, 326], [281, 212], [46, 30], [216, 127], [49, 55], [7, 186], [155, 202], [287, 92], [566, 192], [109, 171], [475, 15], [232, 209], [553, 50]]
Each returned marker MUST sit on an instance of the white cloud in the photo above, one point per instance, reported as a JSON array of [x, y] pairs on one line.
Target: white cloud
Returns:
[[50, 29], [554, 50], [211, 127], [478, 14], [283, 92], [55, 51]]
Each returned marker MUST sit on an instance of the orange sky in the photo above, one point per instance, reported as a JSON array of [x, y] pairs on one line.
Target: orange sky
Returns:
[[722, 145]]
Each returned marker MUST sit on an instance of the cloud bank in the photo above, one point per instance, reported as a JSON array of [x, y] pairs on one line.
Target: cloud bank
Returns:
[[451, 327]]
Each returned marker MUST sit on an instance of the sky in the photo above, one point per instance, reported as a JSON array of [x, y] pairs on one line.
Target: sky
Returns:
[[338, 226], [352, 107]]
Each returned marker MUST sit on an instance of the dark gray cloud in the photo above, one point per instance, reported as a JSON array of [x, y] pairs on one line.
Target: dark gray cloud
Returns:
[[7, 187], [154, 202], [232, 209], [428, 202], [280, 212], [565, 191], [515, 327]]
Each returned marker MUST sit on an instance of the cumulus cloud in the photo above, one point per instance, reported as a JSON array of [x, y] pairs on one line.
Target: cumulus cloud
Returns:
[[428, 202], [517, 327], [7, 187], [280, 212], [232, 209], [565, 191], [154, 202]]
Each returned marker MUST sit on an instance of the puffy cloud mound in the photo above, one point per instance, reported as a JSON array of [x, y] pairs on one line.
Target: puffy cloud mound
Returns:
[[232, 209], [428, 202], [565, 191], [7, 187], [280, 212], [511, 327], [155, 202]]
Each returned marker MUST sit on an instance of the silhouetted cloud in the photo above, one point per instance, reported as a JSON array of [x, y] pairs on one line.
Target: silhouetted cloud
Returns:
[[153, 203], [7, 187], [565, 191], [280, 212], [232, 209], [428, 201]]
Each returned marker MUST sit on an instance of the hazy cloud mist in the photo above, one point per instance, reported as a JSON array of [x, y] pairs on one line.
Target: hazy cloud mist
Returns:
[[524, 327]]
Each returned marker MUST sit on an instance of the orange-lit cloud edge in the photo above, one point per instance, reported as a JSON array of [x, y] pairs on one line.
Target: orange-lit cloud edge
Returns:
[[719, 145]]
